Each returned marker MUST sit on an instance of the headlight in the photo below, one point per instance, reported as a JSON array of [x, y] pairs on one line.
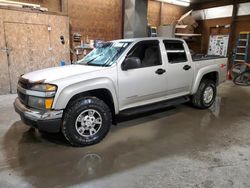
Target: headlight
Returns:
[[40, 103], [41, 96], [44, 87]]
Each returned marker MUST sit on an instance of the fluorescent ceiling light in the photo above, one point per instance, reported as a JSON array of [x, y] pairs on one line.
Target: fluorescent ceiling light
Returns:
[[184, 3]]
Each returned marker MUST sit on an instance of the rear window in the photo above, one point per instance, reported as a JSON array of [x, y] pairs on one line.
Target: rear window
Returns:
[[175, 51]]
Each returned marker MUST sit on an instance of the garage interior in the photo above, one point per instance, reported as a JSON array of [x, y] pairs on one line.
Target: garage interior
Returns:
[[177, 146]]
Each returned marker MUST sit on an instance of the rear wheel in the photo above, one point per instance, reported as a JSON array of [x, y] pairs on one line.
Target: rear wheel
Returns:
[[205, 95], [86, 121]]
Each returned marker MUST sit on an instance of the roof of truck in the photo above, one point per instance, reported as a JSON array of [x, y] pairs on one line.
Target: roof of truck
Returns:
[[145, 38]]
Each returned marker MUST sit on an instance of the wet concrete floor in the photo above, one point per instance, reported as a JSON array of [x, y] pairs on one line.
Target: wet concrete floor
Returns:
[[174, 147]]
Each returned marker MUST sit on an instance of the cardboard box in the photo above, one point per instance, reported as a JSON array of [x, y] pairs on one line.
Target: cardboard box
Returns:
[[195, 25], [166, 31], [181, 26], [187, 19], [188, 29]]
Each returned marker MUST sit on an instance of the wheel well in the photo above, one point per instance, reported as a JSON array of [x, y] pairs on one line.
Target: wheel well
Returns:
[[212, 76], [102, 94]]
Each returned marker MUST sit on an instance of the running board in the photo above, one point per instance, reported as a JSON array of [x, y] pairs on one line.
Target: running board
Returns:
[[154, 106]]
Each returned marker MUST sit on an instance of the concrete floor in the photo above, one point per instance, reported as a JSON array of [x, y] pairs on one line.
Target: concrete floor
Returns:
[[175, 147]]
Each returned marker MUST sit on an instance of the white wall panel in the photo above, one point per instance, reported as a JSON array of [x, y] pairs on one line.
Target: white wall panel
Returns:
[[244, 9], [221, 12], [212, 13]]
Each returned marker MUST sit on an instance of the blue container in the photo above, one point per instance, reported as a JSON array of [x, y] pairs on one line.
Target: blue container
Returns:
[[97, 42], [62, 63]]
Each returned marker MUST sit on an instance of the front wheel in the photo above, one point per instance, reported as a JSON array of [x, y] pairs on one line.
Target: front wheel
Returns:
[[86, 121], [205, 95]]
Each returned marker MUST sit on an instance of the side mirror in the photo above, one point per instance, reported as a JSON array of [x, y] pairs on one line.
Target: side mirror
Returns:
[[131, 63]]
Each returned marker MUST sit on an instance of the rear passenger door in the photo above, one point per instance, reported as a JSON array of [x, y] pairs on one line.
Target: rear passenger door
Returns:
[[179, 69]]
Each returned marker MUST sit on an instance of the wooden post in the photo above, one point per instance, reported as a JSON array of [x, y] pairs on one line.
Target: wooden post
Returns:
[[123, 14], [232, 32], [161, 14]]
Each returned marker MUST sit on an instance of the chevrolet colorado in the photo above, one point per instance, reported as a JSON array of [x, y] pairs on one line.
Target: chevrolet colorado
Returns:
[[118, 77]]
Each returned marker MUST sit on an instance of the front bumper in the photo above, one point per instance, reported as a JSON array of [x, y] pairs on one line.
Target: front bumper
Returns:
[[49, 121]]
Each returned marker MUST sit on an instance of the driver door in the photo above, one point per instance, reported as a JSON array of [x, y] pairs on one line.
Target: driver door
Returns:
[[146, 84]]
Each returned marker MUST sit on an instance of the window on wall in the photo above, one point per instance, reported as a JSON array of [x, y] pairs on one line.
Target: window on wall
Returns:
[[175, 51], [148, 52]]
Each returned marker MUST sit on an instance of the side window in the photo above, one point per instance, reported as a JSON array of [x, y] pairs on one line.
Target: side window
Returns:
[[175, 51], [148, 52]]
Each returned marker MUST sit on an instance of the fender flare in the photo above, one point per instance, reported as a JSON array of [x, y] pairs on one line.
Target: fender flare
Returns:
[[202, 72], [63, 98]]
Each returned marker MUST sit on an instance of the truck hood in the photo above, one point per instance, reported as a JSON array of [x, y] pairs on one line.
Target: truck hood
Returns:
[[57, 73]]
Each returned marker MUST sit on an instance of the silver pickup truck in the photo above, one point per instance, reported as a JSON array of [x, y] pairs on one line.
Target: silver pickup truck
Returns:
[[118, 77]]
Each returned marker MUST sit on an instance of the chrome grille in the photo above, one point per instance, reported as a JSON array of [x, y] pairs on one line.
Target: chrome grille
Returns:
[[23, 98], [23, 83]]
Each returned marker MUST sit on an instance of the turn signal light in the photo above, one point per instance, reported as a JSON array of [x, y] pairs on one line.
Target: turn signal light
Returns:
[[48, 103]]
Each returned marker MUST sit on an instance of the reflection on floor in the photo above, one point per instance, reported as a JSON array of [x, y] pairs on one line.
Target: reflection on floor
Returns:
[[174, 147]]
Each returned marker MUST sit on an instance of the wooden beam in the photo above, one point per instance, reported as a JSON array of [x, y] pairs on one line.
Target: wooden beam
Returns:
[[123, 15], [19, 3], [61, 5], [161, 13], [232, 31], [187, 35]]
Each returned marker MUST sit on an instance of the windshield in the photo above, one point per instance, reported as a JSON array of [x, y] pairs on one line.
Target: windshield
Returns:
[[105, 55]]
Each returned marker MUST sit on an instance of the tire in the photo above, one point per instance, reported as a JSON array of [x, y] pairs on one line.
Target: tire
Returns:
[[86, 121], [199, 99]]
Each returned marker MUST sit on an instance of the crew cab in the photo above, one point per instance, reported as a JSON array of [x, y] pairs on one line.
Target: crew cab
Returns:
[[125, 76]]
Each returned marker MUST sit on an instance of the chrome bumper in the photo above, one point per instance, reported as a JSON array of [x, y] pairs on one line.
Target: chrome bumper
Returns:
[[37, 115], [49, 121]]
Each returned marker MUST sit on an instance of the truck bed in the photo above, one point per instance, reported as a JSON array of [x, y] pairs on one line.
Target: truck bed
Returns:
[[200, 57]]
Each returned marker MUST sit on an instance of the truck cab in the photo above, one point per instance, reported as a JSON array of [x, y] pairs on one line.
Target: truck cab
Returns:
[[119, 77]]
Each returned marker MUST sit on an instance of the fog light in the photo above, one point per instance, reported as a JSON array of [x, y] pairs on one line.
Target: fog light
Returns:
[[36, 102], [40, 103]]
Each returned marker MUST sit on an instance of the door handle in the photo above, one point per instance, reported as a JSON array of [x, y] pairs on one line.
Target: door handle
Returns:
[[160, 71], [187, 67]]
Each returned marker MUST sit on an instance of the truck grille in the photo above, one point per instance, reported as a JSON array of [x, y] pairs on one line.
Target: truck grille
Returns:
[[23, 98], [23, 83]]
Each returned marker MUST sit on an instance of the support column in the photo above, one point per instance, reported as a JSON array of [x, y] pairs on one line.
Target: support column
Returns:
[[135, 18], [232, 32]]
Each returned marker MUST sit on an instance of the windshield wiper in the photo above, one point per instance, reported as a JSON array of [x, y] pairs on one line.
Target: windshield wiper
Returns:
[[93, 59], [118, 52]]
